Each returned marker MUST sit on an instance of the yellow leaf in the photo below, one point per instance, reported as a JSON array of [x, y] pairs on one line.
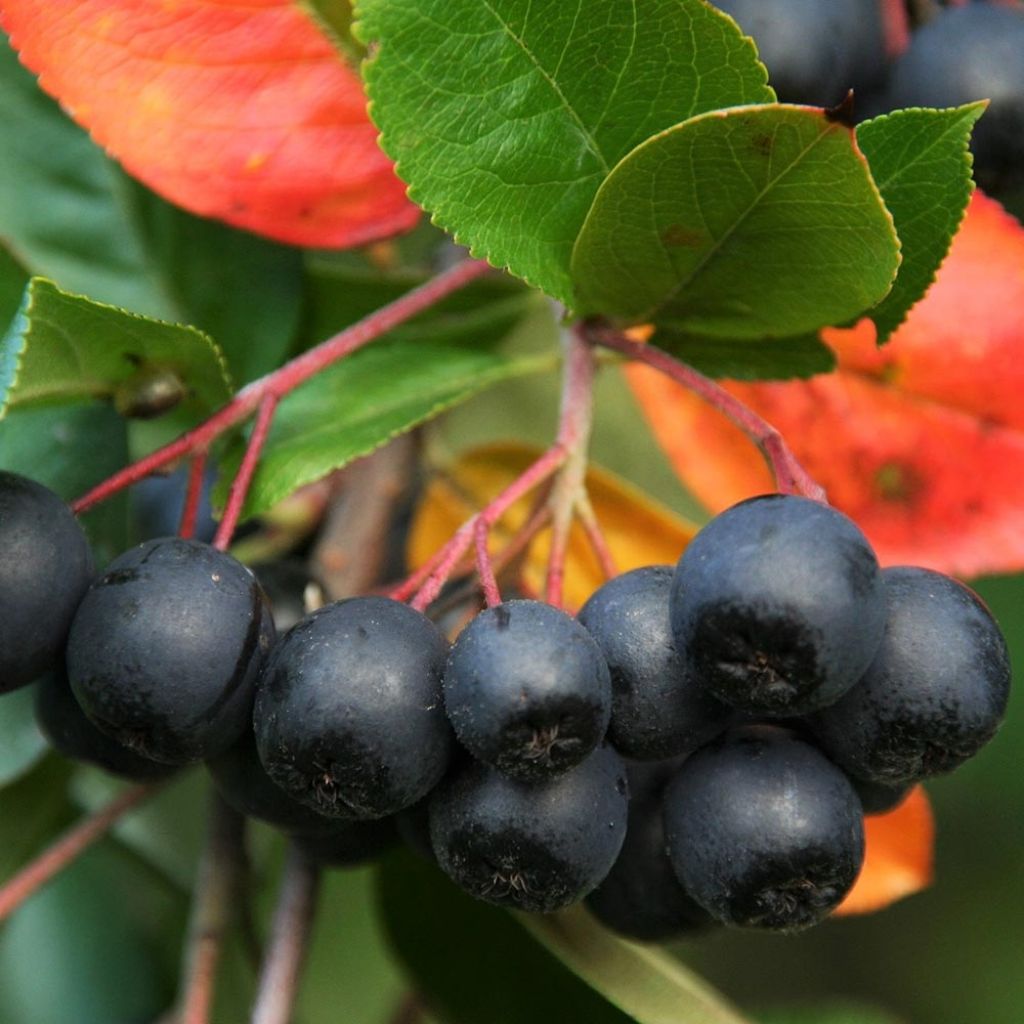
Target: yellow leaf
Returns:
[[639, 530]]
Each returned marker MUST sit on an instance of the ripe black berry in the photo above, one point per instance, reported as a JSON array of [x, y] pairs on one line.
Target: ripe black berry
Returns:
[[778, 605], [165, 649], [658, 708], [642, 898], [64, 724], [527, 689], [240, 779], [763, 830], [349, 716], [814, 51], [972, 53], [876, 798], [534, 845], [935, 692], [45, 568], [349, 843]]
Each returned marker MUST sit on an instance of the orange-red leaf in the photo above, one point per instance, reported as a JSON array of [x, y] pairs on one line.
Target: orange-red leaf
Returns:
[[921, 442], [242, 111], [898, 856], [639, 531]]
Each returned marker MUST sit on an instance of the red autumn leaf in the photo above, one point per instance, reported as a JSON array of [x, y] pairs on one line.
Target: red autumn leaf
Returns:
[[897, 857], [921, 441], [240, 111]]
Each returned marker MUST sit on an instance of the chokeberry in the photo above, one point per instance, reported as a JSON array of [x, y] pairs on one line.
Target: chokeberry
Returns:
[[349, 717], [45, 568], [935, 692], [527, 689], [534, 845], [165, 649], [972, 53], [778, 605], [241, 780], [349, 843], [658, 707], [877, 798], [763, 830], [815, 51], [642, 897], [65, 725]]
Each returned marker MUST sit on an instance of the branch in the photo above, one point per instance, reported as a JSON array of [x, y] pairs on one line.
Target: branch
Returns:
[[289, 938], [790, 476], [68, 848], [216, 896], [288, 377]]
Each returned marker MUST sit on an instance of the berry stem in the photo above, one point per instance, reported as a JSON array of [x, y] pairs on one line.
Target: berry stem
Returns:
[[288, 377], [790, 476], [289, 938], [576, 417], [596, 537], [216, 895], [68, 848], [193, 492], [243, 478]]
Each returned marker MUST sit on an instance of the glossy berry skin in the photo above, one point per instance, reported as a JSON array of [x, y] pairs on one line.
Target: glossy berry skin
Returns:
[[778, 605], [349, 844], [538, 846], [659, 709], [527, 690], [165, 649], [965, 54], [45, 569], [641, 897], [70, 733], [764, 831], [240, 779], [815, 51], [349, 717], [935, 692]]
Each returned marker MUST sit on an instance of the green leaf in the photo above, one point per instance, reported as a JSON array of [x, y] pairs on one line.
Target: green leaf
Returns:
[[802, 355], [70, 214], [922, 165], [71, 448], [472, 963], [647, 983], [32, 811], [62, 347], [748, 223], [335, 18], [846, 1013], [12, 284], [505, 116], [362, 402], [21, 742]]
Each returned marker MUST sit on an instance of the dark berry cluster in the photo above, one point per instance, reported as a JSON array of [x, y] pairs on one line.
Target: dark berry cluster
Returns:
[[817, 51], [699, 745]]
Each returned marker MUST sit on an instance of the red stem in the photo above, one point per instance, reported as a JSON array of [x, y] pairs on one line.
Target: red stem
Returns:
[[194, 491], [595, 535], [288, 377], [243, 478], [67, 848], [790, 476]]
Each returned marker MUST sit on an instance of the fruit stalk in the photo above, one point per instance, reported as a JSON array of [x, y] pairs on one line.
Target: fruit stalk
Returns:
[[193, 493], [293, 920], [790, 476], [216, 895], [68, 848], [288, 377]]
